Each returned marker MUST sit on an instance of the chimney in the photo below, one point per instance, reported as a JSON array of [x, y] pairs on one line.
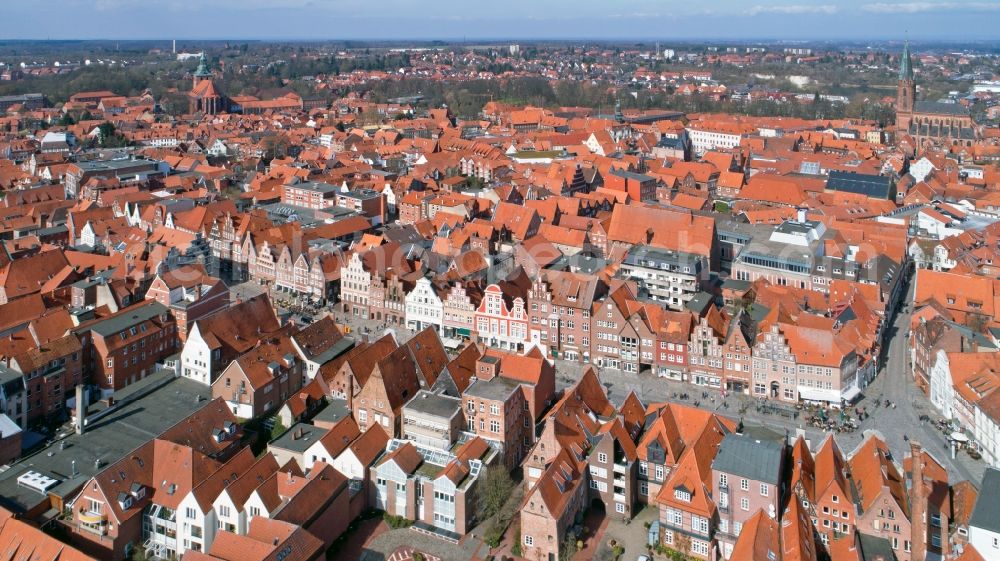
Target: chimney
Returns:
[[81, 408], [918, 503], [801, 215], [487, 368]]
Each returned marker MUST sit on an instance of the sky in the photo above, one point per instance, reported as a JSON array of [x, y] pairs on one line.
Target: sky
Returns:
[[661, 20]]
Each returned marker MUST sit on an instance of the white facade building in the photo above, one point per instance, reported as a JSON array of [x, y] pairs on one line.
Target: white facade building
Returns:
[[196, 358], [424, 307], [987, 436], [196, 528], [942, 388], [705, 140]]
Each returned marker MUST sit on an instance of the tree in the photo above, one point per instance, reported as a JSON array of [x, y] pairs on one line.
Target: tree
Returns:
[[493, 493], [567, 549], [105, 130], [275, 146], [277, 429]]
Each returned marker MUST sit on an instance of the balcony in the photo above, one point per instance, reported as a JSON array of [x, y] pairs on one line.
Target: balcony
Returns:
[[90, 517], [620, 498], [620, 468], [92, 522]]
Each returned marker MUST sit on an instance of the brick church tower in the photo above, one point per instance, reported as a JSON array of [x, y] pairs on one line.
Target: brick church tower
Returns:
[[906, 91]]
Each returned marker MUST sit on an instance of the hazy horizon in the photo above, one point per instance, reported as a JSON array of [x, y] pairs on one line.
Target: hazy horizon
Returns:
[[402, 20]]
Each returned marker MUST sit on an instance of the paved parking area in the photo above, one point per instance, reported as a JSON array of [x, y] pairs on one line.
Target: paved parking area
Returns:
[[632, 535], [405, 541], [406, 553]]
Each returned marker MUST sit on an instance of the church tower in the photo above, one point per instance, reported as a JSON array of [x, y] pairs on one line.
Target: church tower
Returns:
[[906, 91], [202, 72], [204, 97]]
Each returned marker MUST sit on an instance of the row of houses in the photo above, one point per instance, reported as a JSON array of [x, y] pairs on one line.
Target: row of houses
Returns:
[[723, 490], [776, 348]]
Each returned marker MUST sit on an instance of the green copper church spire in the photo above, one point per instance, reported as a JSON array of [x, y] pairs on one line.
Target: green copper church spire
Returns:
[[905, 65], [202, 70]]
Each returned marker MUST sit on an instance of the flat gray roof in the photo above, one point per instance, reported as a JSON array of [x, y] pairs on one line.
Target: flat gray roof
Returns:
[[753, 458], [434, 405], [298, 438], [654, 257], [323, 188], [114, 165], [123, 321], [361, 194], [496, 389], [146, 409], [334, 411]]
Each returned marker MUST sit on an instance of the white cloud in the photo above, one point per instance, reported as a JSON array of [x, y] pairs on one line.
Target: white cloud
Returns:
[[921, 7], [793, 9]]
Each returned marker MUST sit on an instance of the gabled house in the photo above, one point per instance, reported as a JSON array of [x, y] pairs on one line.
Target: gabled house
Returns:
[[747, 478], [261, 380], [214, 341]]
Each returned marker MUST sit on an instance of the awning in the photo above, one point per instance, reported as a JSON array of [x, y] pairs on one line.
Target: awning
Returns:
[[850, 393], [816, 394], [959, 437], [829, 396], [450, 343]]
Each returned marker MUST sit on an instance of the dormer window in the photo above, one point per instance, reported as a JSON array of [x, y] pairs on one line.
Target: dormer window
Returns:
[[682, 495]]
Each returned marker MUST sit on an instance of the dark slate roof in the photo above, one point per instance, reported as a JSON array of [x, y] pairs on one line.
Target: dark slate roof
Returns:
[[128, 319], [986, 515], [445, 385], [875, 548], [943, 131], [938, 108], [641, 178], [335, 411], [404, 234], [876, 186], [586, 263], [671, 142], [699, 302], [752, 458]]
